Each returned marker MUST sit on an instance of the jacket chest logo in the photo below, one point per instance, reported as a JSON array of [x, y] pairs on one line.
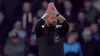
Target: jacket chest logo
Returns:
[[56, 39]]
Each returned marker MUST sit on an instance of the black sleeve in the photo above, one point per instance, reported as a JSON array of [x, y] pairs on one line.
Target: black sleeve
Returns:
[[38, 27], [64, 29]]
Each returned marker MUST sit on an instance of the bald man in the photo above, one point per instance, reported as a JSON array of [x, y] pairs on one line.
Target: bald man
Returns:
[[49, 34]]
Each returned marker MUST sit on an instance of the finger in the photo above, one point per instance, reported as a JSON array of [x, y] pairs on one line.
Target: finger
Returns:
[[49, 7]]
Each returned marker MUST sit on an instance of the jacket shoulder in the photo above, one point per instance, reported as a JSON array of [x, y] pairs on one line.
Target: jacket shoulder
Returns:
[[58, 26]]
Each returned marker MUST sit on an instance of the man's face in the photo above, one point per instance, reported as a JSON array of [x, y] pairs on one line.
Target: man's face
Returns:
[[67, 4], [87, 4], [81, 16], [86, 34], [87, 38], [18, 25], [51, 20], [72, 38], [45, 4], [94, 28], [15, 40], [26, 7]]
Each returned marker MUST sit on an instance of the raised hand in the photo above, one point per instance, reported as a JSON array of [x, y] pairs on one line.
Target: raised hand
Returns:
[[49, 9]]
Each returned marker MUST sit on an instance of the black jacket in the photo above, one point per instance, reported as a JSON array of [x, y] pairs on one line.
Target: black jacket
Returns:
[[71, 54], [91, 48], [50, 39]]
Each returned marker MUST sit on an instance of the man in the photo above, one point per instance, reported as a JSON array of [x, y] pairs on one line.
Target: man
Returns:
[[21, 33], [90, 11], [49, 34], [95, 31], [26, 16], [90, 47], [18, 29], [81, 22], [71, 46], [42, 10], [14, 47], [70, 12]]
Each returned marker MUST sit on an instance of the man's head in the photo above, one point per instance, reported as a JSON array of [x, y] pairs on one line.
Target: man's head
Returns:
[[86, 34], [72, 37], [67, 4], [71, 26], [87, 4], [44, 4], [26, 7], [17, 25], [81, 16], [51, 19], [94, 28]]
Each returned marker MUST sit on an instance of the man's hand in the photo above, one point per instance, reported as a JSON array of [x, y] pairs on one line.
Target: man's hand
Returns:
[[49, 9], [52, 9]]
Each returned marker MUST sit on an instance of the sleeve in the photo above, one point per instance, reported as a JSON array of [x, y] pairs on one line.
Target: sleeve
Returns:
[[65, 27], [38, 28]]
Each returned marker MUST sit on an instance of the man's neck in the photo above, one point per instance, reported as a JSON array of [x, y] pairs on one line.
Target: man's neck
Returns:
[[68, 10]]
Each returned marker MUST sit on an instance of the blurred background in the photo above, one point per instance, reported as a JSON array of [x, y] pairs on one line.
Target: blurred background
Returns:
[[18, 18]]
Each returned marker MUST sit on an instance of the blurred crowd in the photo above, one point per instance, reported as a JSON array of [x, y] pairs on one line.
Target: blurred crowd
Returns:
[[18, 18]]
